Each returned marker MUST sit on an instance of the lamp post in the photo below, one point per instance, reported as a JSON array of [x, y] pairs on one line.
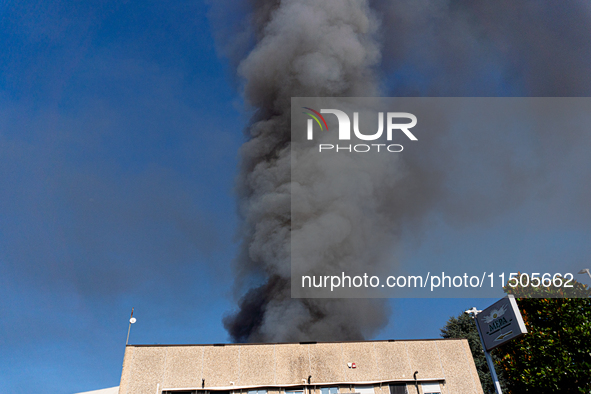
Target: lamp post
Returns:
[[474, 312], [585, 271], [131, 321]]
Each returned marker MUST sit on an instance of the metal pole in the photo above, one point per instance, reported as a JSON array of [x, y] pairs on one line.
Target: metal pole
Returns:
[[489, 360], [128, 329], [131, 320]]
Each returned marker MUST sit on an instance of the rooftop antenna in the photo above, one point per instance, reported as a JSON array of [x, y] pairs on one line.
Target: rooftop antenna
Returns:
[[131, 321]]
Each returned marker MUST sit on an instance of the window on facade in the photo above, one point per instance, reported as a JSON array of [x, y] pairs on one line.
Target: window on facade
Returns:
[[257, 391], [329, 390], [364, 389], [398, 388], [293, 391], [431, 388], [178, 392]]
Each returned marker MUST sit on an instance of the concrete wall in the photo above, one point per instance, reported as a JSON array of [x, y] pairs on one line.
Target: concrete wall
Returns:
[[151, 369]]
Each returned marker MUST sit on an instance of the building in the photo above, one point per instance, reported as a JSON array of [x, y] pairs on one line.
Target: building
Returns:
[[441, 366]]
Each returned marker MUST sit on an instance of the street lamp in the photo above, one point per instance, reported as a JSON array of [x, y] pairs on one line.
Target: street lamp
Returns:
[[585, 271], [131, 321], [474, 313]]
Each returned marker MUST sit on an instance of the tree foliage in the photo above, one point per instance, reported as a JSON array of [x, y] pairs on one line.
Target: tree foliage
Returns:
[[555, 355], [463, 326]]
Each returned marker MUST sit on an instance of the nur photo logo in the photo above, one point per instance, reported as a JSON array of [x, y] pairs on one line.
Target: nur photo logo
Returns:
[[393, 125]]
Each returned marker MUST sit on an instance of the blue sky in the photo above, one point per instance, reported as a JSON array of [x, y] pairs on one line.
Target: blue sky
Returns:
[[120, 126]]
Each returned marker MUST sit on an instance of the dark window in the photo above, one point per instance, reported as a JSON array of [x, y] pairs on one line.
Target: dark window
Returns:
[[398, 388]]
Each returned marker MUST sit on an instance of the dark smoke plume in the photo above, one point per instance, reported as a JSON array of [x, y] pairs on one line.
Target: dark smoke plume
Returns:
[[307, 48], [303, 48]]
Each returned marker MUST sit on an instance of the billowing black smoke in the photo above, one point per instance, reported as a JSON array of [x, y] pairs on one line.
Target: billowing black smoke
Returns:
[[324, 319], [311, 48], [303, 48]]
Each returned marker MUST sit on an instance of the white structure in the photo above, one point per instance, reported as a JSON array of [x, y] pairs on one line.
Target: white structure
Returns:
[[112, 390]]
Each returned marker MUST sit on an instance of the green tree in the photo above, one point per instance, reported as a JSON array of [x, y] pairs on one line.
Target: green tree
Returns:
[[463, 326], [555, 355]]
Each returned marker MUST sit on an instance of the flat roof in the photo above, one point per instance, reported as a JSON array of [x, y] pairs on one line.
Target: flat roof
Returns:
[[294, 343], [245, 366]]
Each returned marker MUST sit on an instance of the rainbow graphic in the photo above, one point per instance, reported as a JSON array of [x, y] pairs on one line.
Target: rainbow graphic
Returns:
[[315, 117]]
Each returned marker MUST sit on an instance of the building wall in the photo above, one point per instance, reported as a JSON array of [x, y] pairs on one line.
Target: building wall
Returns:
[[151, 369]]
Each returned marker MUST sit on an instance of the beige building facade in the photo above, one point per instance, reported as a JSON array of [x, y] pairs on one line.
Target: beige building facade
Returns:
[[441, 366]]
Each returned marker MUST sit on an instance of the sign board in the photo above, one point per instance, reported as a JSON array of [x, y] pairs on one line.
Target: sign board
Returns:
[[500, 323]]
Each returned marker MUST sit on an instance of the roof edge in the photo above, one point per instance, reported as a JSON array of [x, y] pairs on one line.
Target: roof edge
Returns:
[[293, 343]]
